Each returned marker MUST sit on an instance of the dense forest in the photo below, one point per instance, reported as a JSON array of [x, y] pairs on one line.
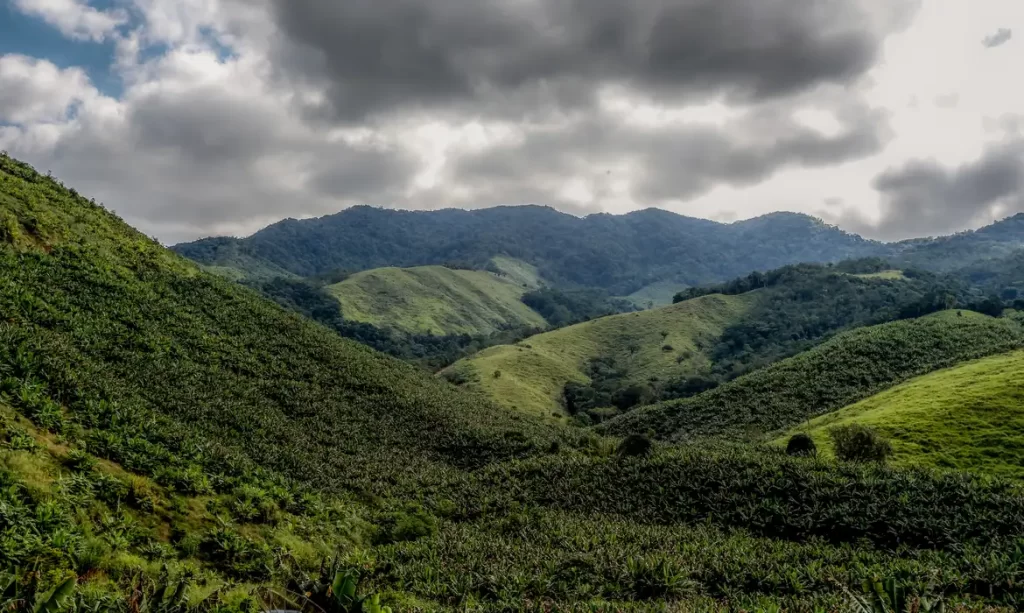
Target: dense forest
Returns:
[[172, 442], [620, 254]]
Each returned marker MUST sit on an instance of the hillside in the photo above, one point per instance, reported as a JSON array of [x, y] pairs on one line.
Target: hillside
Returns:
[[662, 343], [838, 372], [435, 300], [619, 253], [656, 294], [608, 365], [969, 417], [172, 442]]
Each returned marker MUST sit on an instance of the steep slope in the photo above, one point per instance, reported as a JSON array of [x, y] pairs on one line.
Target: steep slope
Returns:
[[140, 327], [836, 373], [171, 442], [969, 417], [620, 253], [661, 343], [435, 300]]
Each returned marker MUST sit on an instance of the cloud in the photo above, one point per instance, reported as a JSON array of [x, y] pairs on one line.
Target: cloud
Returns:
[[34, 90], [514, 59], [236, 113], [75, 18], [998, 38], [924, 198], [205, 147], [599, 159]]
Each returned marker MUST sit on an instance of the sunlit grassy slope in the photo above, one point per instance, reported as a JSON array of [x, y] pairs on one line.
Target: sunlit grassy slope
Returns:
[[891, 275], [435, 300], [848, 368], [660, 294], [970, 417], [662, 343], [519, 272]]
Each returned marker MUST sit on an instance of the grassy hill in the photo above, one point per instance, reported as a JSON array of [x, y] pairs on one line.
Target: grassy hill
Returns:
[[838, 372], [969, 417], [666, 342], [658, 294], [172, 442], [435, 300]]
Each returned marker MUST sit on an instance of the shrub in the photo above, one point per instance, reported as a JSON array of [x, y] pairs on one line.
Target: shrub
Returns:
[[634, 445], [857, 443], [801, 445]]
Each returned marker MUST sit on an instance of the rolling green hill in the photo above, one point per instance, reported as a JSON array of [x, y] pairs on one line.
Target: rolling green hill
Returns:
[[969, 417], [663, 343], [435, 300], [838, 372], [656, 294], [170, 442]]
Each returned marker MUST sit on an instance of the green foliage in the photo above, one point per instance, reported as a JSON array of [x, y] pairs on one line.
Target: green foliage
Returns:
[[634, 445], [801, 445], [970, 417], [608, 355], [857, 443], [621, 254], [229, 446], [567, 307], [841, 371], [426, 349], [434, 300]]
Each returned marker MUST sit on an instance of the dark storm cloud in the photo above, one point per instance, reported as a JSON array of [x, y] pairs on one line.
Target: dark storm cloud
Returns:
[[924, 198], [999, 37], [506, 56]]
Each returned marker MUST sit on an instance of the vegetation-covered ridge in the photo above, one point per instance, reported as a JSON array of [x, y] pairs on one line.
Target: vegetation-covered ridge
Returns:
[[167, 433], [838, 372], [970, 417], [620, 253], [435, 300], [661, 343]]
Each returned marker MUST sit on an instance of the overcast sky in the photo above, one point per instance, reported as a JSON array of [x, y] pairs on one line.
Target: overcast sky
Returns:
[[190, 118]]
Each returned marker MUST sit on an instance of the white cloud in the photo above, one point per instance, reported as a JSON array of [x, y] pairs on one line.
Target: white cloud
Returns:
[[75, 18], [36, 91]]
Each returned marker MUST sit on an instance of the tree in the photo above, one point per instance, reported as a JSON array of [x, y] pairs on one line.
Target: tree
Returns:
[[859, 443]]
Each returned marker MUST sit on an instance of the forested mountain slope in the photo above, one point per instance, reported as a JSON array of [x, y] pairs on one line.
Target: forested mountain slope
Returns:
[[828, 377], [170, 441], [435, 300], [621, 253]]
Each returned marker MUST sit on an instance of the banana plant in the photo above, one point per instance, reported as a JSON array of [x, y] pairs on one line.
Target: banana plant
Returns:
[[14, 598], [887, 596]]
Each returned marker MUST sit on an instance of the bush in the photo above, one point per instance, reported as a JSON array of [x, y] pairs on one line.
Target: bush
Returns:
[[634, 445], [801, 445], [857, 443]]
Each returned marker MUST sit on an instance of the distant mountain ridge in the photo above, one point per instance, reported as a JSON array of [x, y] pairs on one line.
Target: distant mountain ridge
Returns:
[[620, 253]]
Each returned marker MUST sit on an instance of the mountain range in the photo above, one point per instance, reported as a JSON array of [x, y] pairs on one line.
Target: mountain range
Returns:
[[840, 435], [618, 253]]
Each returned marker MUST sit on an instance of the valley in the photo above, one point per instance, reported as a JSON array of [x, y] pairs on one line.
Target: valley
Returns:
[[175, 439]]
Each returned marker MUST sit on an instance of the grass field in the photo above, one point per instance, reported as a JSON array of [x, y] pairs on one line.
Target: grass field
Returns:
[[969, 417], [665, 342], [660, 294], [848, 368], [436, 300], [891, 275], [519, 272]]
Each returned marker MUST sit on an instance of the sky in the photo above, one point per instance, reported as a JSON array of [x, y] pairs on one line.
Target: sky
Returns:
[[192, 118]]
